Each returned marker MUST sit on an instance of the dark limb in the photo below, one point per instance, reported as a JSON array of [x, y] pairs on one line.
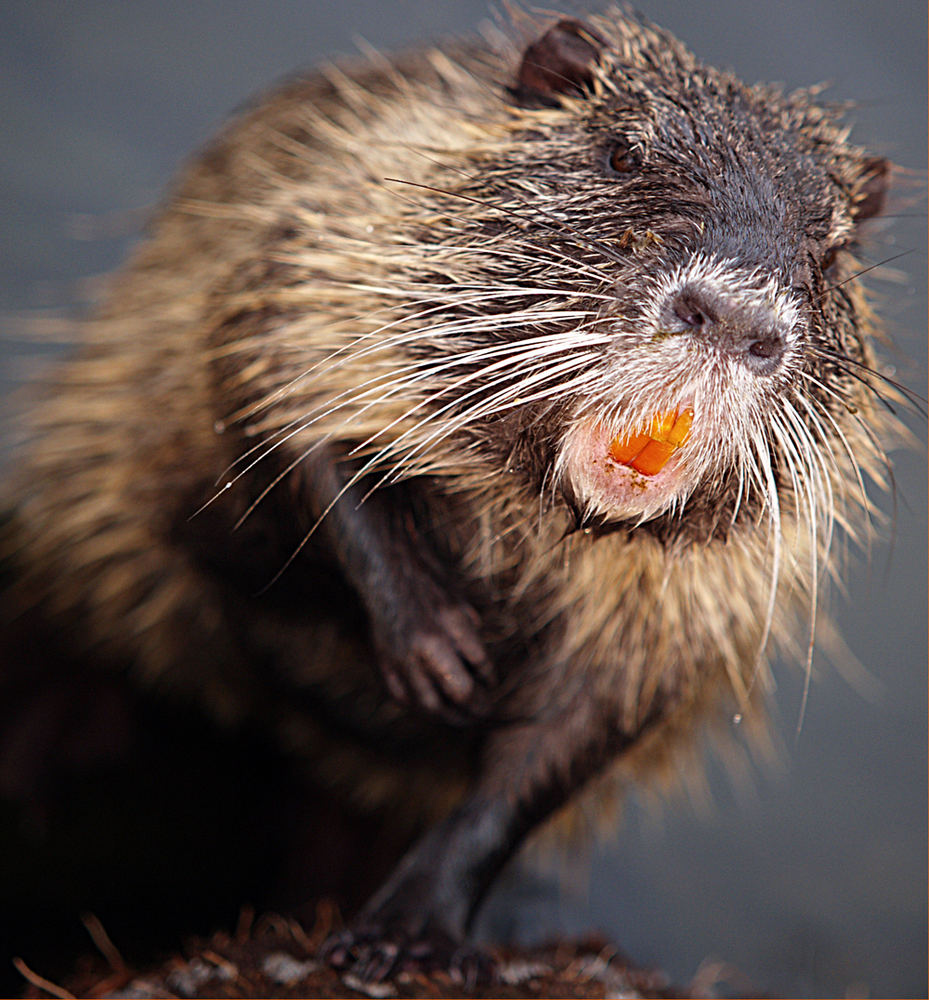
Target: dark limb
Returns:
[[423, 912], [427, 638]]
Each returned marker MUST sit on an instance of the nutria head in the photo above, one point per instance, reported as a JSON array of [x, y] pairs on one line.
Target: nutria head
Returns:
[[659, 246]]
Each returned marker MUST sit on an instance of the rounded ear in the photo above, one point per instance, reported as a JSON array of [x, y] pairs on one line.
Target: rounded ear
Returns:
[[870, 189], [560, 62]]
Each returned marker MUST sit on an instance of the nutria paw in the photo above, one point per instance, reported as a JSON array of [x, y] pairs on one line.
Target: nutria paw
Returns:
[[373, 952], [434, 659]]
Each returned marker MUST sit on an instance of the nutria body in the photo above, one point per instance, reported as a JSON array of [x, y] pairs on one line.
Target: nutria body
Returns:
[[410, 313]]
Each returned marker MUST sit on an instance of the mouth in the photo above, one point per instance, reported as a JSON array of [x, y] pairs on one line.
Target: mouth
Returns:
[[648, 453], [619, 474]]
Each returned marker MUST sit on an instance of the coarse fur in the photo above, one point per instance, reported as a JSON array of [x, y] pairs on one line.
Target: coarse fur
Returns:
[[352, 400]]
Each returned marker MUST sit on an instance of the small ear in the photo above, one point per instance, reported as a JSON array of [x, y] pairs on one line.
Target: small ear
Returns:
[[870, 190], [559, 62]]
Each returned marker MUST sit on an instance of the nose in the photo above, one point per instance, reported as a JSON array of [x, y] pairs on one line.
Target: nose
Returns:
[[744, 326]]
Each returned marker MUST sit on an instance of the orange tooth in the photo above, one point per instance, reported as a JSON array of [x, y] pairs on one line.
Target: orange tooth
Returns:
[[680, 432], [625, 449], [661, 426], [653, 457], [648, 453]]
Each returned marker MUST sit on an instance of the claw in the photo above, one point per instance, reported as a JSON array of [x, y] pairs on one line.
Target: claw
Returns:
[[440, 665]]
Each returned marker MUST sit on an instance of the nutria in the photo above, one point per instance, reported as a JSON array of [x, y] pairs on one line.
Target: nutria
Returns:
[[535, 379]]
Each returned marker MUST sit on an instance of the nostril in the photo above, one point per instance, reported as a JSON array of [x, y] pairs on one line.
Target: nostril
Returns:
[[691, 310], [769, 347], [690, 317]]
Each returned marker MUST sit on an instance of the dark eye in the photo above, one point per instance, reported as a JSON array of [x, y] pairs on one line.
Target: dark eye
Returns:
[[621, 158]]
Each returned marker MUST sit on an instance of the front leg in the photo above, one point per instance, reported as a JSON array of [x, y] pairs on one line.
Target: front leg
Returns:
[[423, 912], [427, 638]]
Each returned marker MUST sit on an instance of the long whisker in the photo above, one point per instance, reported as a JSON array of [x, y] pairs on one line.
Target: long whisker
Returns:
[[861, 271], [381, 386], [502, 357], [918, 402]]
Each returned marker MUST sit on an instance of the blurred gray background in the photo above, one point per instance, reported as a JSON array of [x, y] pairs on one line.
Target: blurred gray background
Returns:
[[812, 879]]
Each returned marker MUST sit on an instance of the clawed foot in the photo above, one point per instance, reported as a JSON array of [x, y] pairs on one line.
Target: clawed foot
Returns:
[[437, 661], [373, 953]]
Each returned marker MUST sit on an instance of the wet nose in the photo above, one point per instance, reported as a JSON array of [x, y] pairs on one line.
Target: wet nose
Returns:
[[746, 329]]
